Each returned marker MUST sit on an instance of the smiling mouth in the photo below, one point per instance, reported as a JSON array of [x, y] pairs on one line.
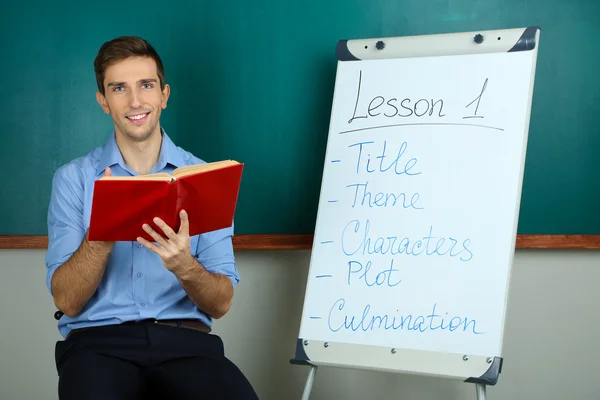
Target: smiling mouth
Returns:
[[138, 119]]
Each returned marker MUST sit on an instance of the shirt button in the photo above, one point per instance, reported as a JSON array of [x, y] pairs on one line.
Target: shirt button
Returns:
[[139, 245], [139, 274], [142, 304]]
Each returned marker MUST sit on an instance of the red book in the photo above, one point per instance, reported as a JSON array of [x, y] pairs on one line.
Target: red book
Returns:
[[207, 192]]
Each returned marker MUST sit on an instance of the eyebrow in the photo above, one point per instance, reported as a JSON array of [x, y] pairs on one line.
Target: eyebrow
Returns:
[[147, 80]]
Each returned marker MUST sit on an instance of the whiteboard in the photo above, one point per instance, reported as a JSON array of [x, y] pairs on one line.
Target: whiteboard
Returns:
[[419, 203]]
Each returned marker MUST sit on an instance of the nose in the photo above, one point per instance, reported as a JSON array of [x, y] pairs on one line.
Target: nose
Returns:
[[135, 99]]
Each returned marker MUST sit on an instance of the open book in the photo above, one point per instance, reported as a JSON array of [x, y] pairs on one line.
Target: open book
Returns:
[[177, 173], [208, 192]]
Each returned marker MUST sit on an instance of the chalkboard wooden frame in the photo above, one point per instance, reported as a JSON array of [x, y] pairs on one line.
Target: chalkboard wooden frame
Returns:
[[304, 242]]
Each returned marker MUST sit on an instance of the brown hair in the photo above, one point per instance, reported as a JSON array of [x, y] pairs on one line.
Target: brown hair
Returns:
[[121, 48]]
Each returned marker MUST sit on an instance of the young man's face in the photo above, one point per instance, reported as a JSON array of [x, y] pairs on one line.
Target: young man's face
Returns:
[[133, 97]]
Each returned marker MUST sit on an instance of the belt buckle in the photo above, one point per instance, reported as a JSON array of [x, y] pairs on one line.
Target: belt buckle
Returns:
[[174, 323], [145, 321]]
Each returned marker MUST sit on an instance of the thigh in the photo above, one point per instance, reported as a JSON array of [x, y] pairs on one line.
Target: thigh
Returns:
[[201, 378], [84, 374]]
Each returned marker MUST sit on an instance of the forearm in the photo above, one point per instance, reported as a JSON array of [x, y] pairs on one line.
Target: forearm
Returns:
[[74, 282], [212, 293]]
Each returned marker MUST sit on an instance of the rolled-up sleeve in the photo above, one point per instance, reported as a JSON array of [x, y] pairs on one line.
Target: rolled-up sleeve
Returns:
[[214, 250], [65, 221]]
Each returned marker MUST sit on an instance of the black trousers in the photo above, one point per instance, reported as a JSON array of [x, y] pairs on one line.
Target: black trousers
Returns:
[[147, 361]]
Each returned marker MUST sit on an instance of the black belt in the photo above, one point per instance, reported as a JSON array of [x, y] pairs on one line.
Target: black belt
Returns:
[[193, 324], [176, 323]]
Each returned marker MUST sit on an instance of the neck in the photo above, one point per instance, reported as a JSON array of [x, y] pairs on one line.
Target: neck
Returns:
[[143, 155]]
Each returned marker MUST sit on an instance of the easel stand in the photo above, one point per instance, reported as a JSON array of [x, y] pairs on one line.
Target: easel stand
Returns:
[[498, 68], [479, 387], [309, 382]]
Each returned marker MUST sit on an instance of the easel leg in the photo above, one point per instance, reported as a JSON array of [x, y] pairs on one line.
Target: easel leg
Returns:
[[480, 391], [309, 382]]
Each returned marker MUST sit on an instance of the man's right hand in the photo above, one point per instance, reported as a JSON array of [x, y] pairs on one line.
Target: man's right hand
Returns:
[[98, 244]]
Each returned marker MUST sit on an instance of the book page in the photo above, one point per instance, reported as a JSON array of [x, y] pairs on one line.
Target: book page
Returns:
[[160, 176], [177, 173], [196, 168]]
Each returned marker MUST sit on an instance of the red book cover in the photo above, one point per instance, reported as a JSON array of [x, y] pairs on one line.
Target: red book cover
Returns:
[[208, 193]]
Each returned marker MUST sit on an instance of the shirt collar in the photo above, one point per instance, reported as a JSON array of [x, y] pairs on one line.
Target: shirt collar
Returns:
[[169, 154]]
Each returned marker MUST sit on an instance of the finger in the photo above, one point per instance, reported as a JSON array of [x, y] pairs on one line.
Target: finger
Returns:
[[107, 172], [150, 246], [170, 233], [185, 223], [155, 235]]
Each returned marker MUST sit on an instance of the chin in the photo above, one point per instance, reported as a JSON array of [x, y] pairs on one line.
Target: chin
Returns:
[[141, 134], [138, 137]]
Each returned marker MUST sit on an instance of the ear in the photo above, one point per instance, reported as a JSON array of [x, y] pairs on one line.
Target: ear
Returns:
[[103, 103], [165, 96]]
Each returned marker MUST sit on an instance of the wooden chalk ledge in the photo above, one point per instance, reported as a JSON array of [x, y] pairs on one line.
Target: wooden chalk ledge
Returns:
[[304, 242]]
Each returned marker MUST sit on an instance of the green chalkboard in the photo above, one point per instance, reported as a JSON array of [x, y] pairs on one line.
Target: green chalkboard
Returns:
[[253, 81]]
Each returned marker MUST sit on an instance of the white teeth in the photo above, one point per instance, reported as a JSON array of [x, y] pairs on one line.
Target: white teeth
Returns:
[[140, 116]]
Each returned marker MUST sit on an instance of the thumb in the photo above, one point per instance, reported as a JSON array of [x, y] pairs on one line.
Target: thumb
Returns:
[[185, 223], [107, 172]]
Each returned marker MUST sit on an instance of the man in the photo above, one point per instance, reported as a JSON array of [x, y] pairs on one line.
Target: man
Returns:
[[137, 315]]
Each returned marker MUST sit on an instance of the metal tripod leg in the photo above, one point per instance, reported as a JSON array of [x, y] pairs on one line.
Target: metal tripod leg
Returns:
[[309, 382], [480, 391]]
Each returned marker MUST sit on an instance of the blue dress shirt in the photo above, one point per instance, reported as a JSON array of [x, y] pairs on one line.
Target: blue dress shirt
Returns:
[[136, 285]]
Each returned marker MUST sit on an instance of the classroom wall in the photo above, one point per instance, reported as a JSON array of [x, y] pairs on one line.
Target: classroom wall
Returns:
[[551, 339]]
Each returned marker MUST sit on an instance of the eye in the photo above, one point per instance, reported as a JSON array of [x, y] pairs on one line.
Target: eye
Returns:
[[118, 88], [147, 86]]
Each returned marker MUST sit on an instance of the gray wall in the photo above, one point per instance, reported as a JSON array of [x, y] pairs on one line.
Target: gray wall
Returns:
[[551, 347]]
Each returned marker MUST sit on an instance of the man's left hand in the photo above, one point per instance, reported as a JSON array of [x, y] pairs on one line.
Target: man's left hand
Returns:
[[174, 249]]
